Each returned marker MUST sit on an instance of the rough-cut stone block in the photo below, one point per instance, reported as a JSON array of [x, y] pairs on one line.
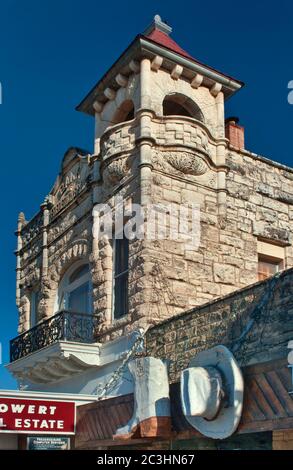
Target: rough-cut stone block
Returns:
[[270, 232], [224, 273]]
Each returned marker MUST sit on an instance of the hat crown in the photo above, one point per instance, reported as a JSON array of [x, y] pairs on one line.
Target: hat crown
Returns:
[[206, 386]]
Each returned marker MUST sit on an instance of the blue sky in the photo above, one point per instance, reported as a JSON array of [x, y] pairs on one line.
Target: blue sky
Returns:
[[52, 52]]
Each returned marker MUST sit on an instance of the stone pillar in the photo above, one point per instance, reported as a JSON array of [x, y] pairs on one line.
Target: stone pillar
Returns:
[[46, 213], [102, 278], [20, 224], [220, 115], [145, 140], [24, 314], [46, 302], [97, 133], [283, 440], [222, 190], [145, 80]]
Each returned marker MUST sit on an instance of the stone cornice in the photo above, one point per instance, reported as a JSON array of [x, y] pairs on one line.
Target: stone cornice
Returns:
[[261, 158], [144, 47]]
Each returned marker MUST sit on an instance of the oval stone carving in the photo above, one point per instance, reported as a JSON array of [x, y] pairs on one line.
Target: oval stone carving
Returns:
[[116, 170], [187, 163]]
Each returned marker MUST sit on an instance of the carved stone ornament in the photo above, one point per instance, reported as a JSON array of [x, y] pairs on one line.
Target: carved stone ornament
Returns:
[[187, 163], [116, 170], [69, 185], [32, 229], [183, 162]]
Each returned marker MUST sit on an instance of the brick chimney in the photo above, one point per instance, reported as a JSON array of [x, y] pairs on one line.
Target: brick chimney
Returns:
[[234, 133]]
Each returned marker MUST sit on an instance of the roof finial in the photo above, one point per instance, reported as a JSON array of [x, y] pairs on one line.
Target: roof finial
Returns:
[[21, 217], [158, 24]]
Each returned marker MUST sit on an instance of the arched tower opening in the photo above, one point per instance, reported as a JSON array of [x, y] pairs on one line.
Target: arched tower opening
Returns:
[[177, 104], [125, 112]]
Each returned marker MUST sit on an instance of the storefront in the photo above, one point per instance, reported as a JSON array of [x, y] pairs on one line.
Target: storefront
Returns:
[[38, 421], [266, 422]]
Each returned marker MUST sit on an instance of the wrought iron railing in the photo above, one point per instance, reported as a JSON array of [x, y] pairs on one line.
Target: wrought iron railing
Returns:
[[64, 326]]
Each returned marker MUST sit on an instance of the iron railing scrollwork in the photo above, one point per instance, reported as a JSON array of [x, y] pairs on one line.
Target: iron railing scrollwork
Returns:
[[64, 326]]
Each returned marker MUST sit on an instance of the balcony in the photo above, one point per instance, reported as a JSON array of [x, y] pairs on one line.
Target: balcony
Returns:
[[58, 347], [119, 139], [165, 131], [64, 326], [182, 131]]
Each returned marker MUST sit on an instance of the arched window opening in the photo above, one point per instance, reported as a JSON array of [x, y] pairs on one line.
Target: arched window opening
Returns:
[[75, 290], [124, 113], [177, 104]]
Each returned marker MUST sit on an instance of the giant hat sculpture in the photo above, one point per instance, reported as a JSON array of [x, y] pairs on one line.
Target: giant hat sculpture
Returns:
[[212, 393]]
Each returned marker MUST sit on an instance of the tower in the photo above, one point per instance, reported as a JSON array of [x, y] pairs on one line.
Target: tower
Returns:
[[160, 140]]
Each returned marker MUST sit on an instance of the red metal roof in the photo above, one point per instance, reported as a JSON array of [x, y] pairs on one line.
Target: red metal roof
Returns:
[[164, 40], [100, 420]]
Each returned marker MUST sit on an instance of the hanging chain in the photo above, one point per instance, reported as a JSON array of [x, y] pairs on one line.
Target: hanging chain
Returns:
[[138, 344], [118, 373]]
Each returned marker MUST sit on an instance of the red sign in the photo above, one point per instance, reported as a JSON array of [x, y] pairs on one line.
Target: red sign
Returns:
[[36, 416]]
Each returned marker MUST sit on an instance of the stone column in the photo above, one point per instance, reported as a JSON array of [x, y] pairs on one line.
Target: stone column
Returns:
[[45, 209], [20, 224], [220, 115], [22, 300], [102, 279], [97, 132], [24, 314], [145, 140], [48, 285], [222, 189], [221, 156]]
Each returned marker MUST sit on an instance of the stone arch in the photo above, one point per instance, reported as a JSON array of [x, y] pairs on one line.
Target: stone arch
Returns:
[[164, 84], [178, 104], [77, 275], [78, 250], [131, 92], [125, 112]]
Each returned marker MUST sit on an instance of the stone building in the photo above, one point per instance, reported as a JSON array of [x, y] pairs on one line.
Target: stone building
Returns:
[[161, 137]]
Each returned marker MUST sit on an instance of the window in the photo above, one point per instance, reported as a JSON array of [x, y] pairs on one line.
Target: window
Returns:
[[267, 268], [177, 104], [75, 290], [270, 259], [121, 255], [34, 302]]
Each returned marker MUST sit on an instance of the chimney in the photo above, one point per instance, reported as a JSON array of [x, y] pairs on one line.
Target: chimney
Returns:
[[234, 133]]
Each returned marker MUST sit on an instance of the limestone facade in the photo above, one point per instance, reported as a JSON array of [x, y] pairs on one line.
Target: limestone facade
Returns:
[[255, 323], [153, 158]]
